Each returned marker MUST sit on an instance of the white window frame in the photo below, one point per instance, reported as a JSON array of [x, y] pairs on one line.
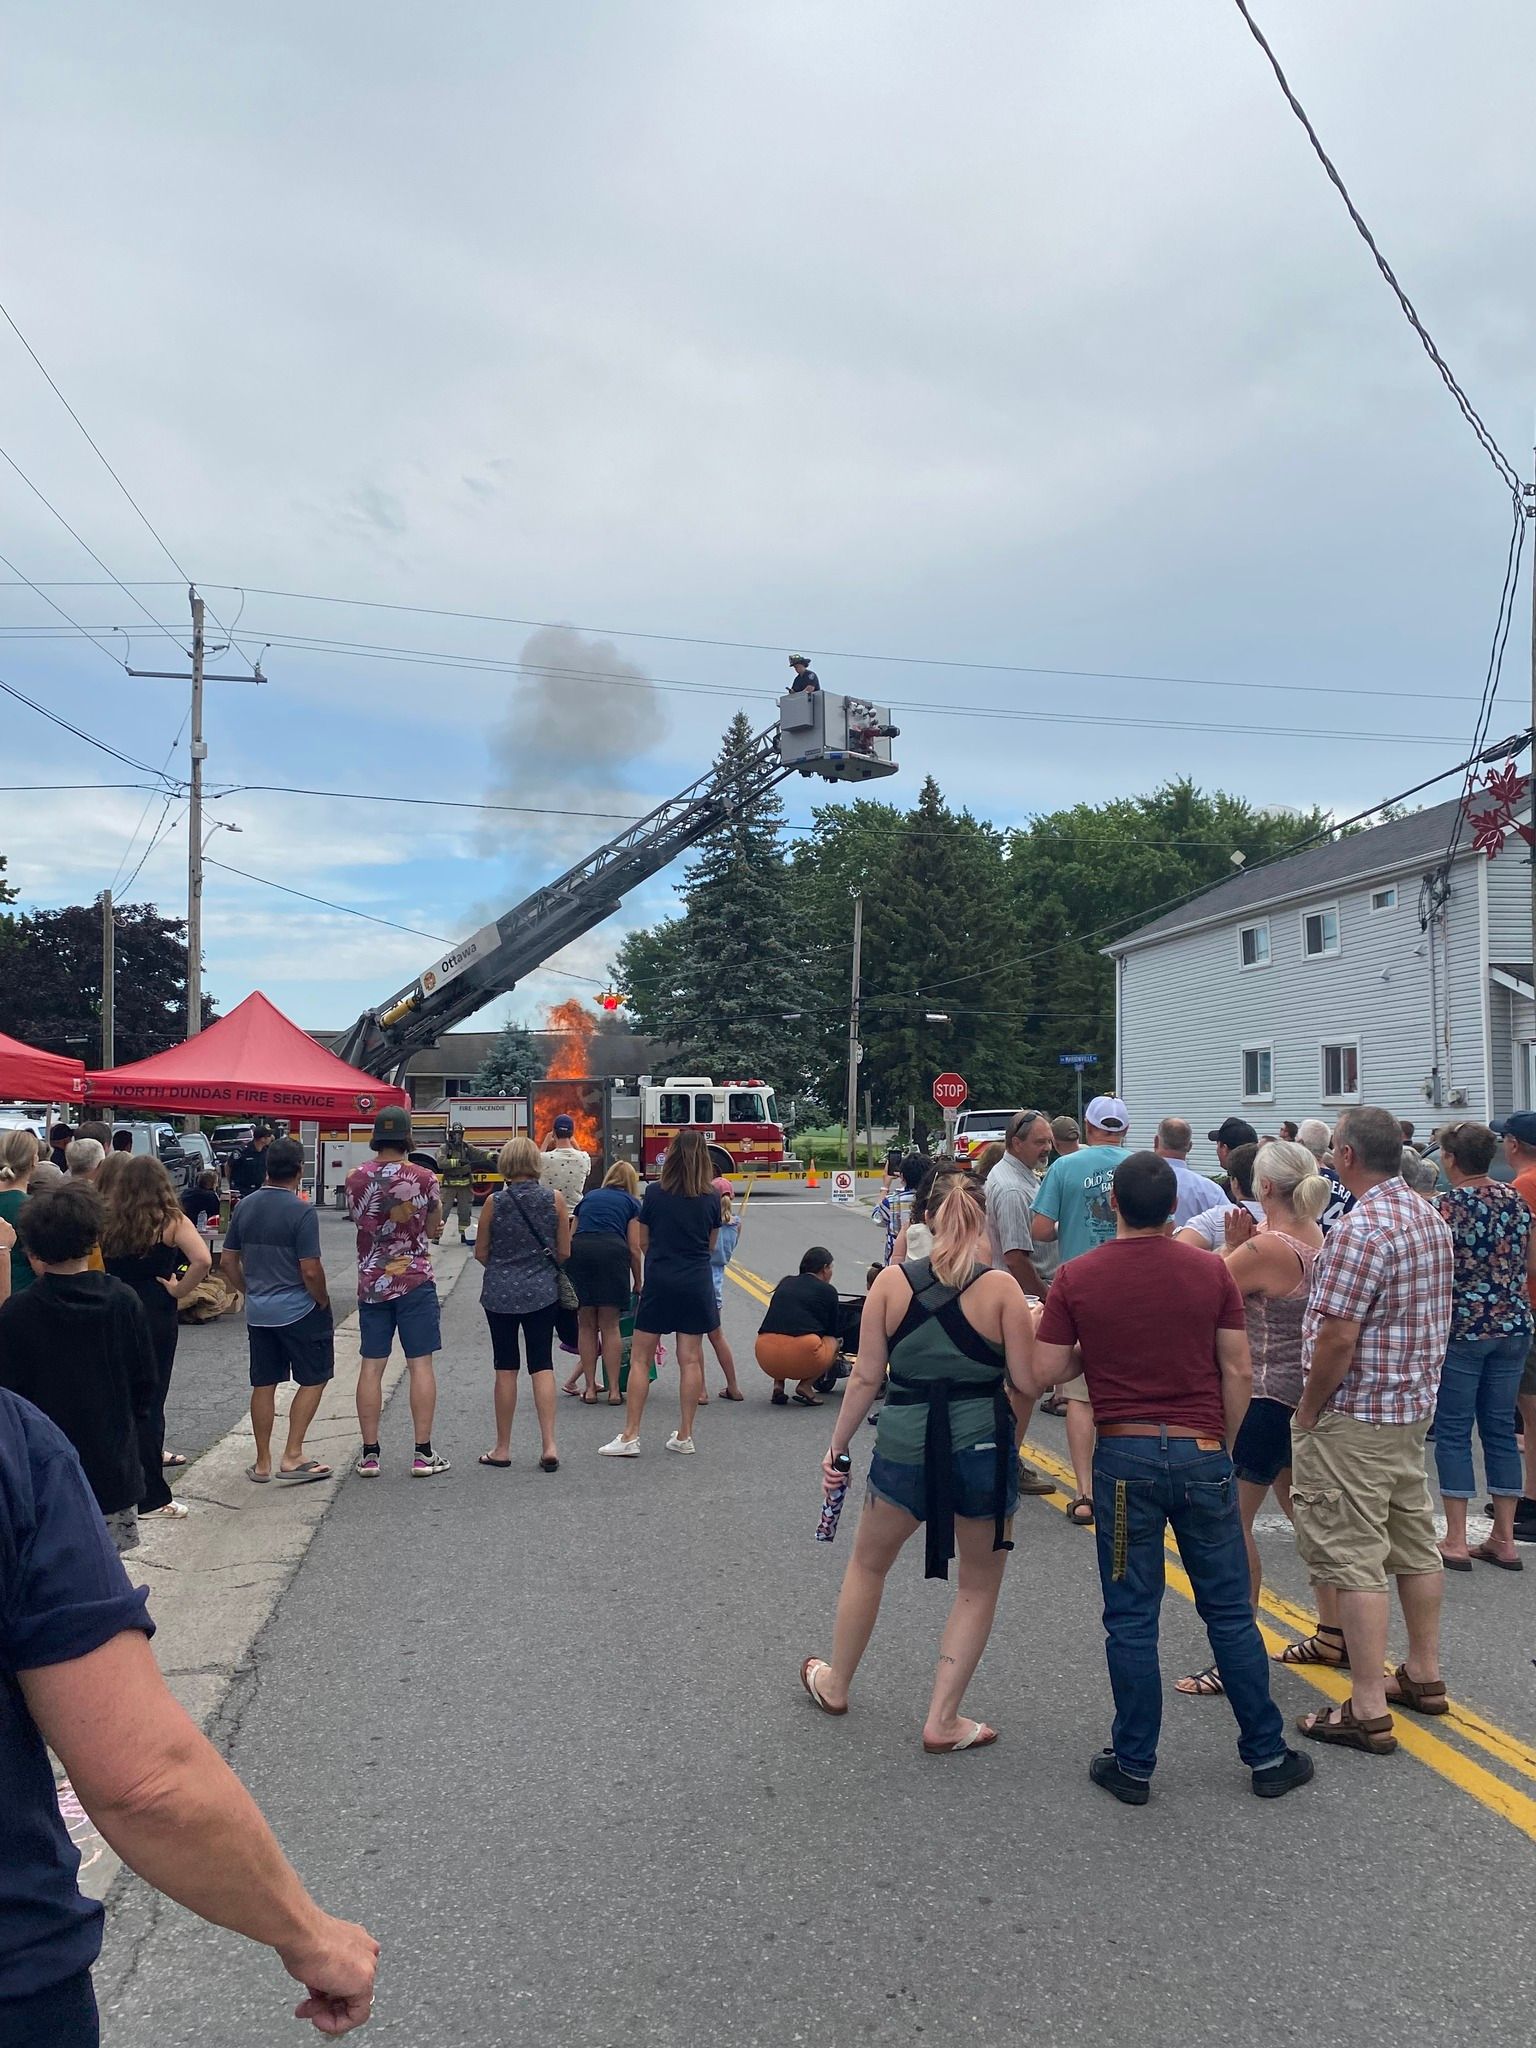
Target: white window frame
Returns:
[[1388, 891], [1329, 952], [1267, 1047], [1257, 924], [1323, 1050]]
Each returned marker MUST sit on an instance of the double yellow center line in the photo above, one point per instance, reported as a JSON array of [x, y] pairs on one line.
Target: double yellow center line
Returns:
[[1428, 1742]]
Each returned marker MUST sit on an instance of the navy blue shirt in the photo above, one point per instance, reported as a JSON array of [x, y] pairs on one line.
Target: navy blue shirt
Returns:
[[607, 1211], [63, 1593]]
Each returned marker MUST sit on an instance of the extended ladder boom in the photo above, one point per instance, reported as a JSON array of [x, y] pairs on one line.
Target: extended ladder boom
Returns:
[[523, 938]]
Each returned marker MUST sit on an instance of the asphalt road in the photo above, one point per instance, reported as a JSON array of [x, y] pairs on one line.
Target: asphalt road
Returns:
[[544, 1736]]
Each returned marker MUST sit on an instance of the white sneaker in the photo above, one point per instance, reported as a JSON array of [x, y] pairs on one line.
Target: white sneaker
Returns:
[[680, 1443], [622, 1447]]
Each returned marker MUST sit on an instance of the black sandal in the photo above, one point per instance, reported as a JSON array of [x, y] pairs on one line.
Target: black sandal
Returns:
[[1325, 1646], [1083, 1519], [1202, 1685], [805, 1400]]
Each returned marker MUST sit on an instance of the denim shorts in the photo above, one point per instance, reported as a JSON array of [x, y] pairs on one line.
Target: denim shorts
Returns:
[[413, 1318], [973, 1484], [1262, 1450]]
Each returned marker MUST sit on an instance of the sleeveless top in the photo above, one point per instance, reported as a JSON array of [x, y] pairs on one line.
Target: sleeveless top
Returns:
[[520, 1272], [1274, 1330], [945, 1394]]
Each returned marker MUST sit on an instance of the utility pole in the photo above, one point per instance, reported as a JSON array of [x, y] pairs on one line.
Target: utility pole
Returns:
[[108, 982], [855, 1050], [1079, 1100], [198, 755]]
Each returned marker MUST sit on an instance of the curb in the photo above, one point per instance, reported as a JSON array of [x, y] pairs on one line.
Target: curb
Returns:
[[215, 1578]]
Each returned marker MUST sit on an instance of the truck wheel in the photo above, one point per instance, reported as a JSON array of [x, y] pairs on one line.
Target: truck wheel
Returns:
[[722, 1162]]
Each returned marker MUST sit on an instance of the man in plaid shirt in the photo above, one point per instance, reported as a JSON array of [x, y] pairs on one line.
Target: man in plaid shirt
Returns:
[[1373, 1342]]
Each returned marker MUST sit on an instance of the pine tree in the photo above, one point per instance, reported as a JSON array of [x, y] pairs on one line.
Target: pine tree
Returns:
[[512, 1063]]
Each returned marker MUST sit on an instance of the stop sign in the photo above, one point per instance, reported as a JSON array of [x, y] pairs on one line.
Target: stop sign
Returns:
[[949, 1091]]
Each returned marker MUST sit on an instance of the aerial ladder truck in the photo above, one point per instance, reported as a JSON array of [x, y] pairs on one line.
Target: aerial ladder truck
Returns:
[[841, 739]]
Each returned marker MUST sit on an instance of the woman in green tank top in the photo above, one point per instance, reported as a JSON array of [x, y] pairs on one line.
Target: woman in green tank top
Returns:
[[959, 1341]]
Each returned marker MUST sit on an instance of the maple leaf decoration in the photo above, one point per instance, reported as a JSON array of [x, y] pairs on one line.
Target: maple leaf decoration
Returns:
[[1506, 787]]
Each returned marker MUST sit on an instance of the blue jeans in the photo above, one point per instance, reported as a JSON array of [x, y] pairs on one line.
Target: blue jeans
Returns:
[[721, 1257], [1481, 1378], [1154, 1484]]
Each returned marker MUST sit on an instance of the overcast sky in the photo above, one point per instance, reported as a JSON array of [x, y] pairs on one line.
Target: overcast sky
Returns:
[[993, 333]]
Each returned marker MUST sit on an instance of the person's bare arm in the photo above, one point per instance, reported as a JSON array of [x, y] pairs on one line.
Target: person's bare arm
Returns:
[[1042, 1228], [562, 1228], [868, 1374], [434, 1222], [483, 1232], [8, 1238], [1019, 1358], [176, 1813], [632, 1238], [232, 1269], [1026, 1272], [193, 1247], [1236, 1363], [1052, 1364], [1262, 1266], [899, 1248], [312, 1273], [1332, 1355], [1190, 1235]]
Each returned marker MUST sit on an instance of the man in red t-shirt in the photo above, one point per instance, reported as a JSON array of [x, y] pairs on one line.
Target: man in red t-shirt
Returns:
[[1160, 1329], [1519, 1135]]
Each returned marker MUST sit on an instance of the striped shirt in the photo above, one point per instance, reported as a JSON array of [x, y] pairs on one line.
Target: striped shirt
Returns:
[[1387, 1266]]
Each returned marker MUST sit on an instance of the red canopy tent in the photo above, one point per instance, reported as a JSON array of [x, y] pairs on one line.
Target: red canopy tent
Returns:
[[28, 1074], [252, 1062]]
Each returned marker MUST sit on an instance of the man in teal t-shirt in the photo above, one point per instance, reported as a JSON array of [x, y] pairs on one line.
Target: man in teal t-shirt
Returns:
[[1072, 1209]]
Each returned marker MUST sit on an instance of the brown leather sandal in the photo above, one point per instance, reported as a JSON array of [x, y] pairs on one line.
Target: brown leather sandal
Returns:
[[1375, 1736], [1419, 1695], [1324, 1646]]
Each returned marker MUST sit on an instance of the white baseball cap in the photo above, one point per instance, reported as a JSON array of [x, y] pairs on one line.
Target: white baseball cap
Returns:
[[1107, 1113]]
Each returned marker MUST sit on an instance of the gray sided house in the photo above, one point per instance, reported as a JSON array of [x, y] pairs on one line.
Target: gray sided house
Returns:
[[1361, 970]]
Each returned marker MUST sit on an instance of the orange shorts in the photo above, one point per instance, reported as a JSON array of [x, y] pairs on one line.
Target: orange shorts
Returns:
[[795, 1358]]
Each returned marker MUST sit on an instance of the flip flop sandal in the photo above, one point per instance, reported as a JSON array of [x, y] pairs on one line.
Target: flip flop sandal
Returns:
[[501, 1464], [727, 1395], [1310, 1649], [1490, 1556], [589, 1400], [804, 1400], [808, 1672], [1457, 1564], [170, 1460], [549, 1464], [1081, 1521], [305, 1474], [1202, 1685], [1419, 1695], [1375, 1736], [258, 1478], [978, 1736]]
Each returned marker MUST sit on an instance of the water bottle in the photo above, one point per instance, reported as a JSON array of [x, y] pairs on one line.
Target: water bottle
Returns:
[[832, 1503]]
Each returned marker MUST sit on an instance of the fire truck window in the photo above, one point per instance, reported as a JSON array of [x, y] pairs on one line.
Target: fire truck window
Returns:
[[745, 1109], [703, 1109], [673, 1109]]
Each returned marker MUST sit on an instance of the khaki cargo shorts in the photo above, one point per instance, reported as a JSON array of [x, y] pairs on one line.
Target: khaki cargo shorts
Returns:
[[1360, 1502]]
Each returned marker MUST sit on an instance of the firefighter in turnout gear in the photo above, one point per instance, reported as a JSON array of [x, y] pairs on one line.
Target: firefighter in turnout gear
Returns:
[[457, 1165]]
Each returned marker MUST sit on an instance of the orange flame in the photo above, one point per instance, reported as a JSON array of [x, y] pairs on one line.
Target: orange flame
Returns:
[[571, 1062]]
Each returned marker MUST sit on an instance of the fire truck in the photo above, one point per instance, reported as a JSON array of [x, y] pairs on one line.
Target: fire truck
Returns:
[[739, 1121]]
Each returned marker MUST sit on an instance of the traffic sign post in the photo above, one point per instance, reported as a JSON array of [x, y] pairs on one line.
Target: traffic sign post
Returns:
[[950, 1092], [842, 1185], [1078, 1060]]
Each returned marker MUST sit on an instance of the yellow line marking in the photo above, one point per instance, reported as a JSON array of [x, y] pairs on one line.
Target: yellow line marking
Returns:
[[1430, 1749], [749, 1283]]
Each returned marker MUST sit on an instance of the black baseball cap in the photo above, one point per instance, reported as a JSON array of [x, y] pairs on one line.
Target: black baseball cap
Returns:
[[1521, 1127], [391, 1127], [1233, 1131]]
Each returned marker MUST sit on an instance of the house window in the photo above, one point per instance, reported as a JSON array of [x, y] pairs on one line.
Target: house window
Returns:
[[1384, 899], [1341, 1071], [1253, 944], [1320, 932], [1258, 1073]]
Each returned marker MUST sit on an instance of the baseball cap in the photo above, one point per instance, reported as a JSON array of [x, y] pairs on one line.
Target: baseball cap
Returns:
[[565, 1127], [391, 1127], [1521, 1127], [1233, 1130], [1107, 1113]]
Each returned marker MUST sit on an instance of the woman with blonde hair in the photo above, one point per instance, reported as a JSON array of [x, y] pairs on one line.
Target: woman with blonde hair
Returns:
[[523, 1240], [19, 1153], [960, 1344], [1272, 1264], [678, 1226], [150, 1243], [605, 1272]]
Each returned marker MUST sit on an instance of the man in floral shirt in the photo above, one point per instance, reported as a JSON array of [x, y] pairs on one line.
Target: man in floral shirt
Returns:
[[399, 1216]]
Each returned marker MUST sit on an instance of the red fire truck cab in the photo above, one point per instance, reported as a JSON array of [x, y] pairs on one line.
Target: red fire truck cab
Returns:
[[738, 1119]]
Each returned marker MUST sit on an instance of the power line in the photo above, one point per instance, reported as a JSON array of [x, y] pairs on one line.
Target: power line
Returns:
[[346, 909], [143, 516], [48, 504], [1469, 413], [1495, 670], [75, 625], [79, 733]]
